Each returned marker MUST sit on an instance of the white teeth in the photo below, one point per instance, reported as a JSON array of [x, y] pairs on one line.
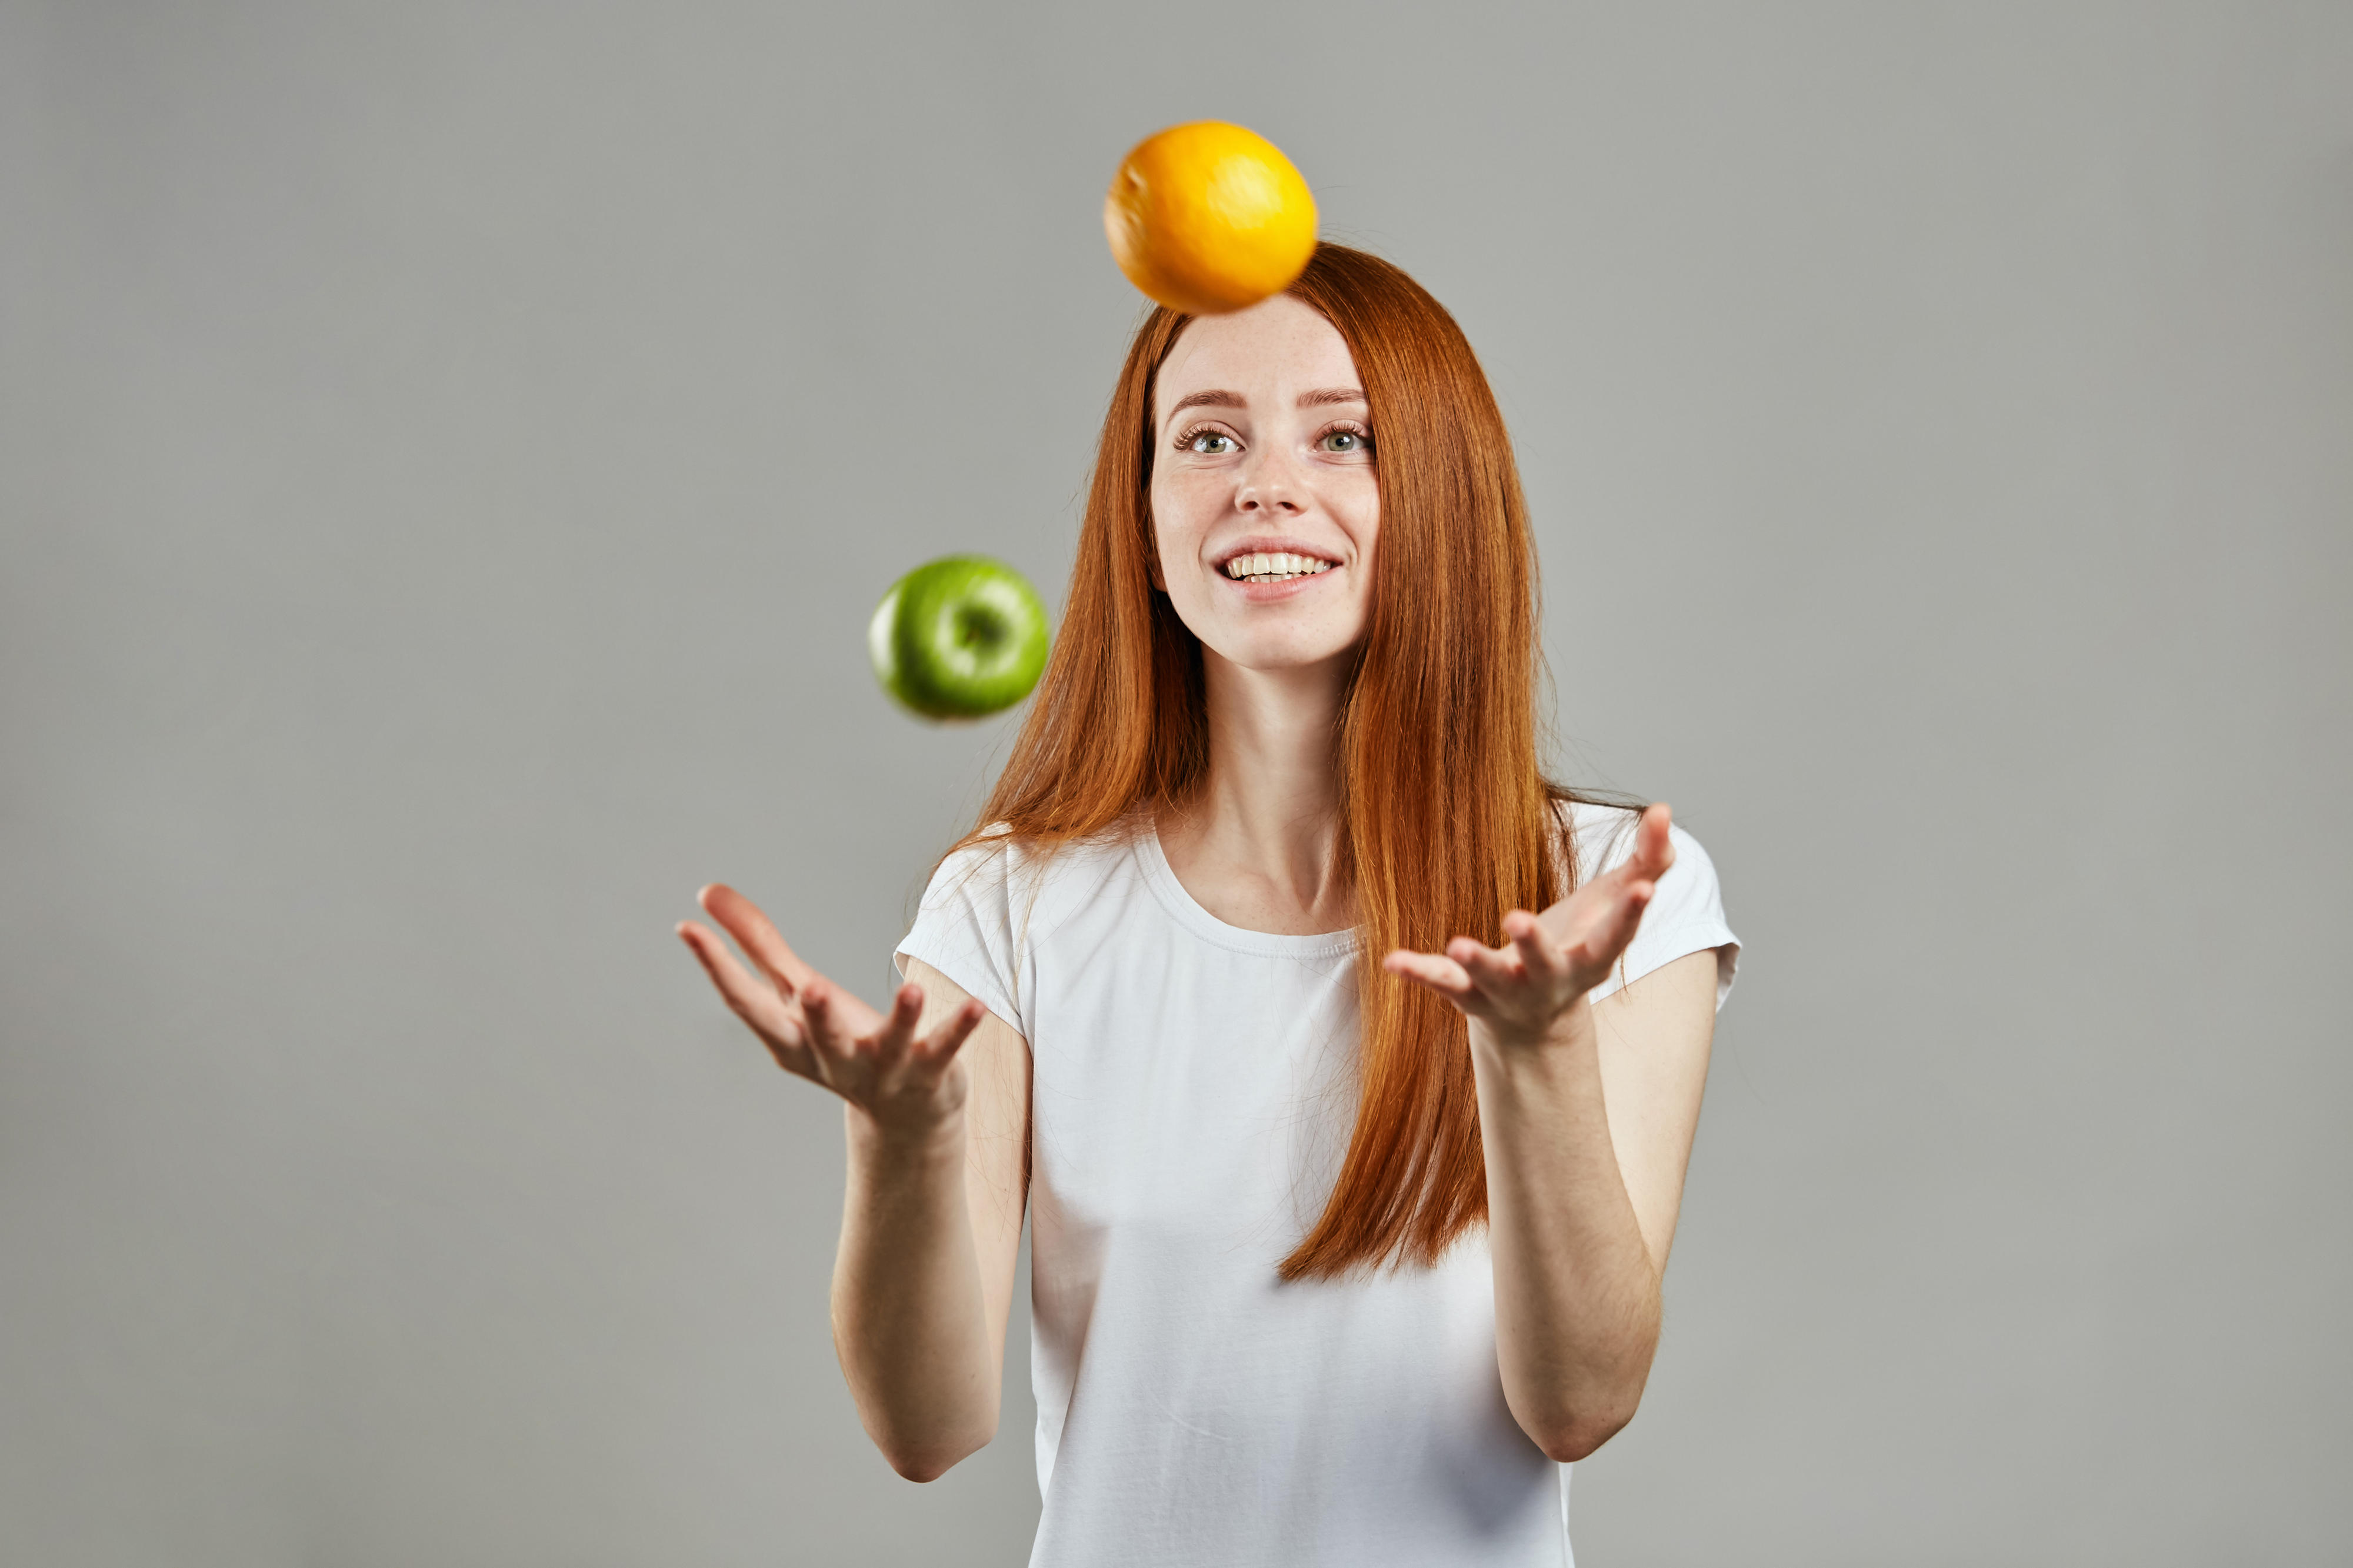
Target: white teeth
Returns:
[[1273, 566]]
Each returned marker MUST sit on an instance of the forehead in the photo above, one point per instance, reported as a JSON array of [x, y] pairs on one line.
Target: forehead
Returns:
[[1268, 353]]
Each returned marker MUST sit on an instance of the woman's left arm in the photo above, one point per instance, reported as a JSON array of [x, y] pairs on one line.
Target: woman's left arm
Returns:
[[1587, 1112]]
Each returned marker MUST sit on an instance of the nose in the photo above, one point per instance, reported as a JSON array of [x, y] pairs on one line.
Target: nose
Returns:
[[1270, 488]]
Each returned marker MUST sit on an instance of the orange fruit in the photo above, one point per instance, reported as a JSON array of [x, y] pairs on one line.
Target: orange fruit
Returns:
[[1209, 217]]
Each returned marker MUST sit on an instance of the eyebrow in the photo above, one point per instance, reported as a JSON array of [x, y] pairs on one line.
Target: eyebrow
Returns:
[[1218, 397]]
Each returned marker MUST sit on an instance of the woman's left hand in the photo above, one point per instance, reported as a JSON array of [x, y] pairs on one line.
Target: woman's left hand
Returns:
[[1523, 992]]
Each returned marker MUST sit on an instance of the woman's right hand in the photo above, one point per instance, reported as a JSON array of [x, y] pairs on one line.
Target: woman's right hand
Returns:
[[907, 1084]]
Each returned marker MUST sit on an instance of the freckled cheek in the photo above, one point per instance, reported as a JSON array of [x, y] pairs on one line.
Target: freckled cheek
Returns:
[[1182, 511], [1359, 516]]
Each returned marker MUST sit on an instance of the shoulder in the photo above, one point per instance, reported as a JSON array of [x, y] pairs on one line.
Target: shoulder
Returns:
[[1022, 881], [1604, 835], [1686, 913], [991, 900]]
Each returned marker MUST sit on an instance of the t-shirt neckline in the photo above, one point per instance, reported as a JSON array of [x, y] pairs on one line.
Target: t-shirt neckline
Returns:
[[1161, 878]]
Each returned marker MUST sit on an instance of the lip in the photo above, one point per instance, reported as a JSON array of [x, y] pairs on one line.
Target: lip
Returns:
[[1269, 593], [1271, 544]]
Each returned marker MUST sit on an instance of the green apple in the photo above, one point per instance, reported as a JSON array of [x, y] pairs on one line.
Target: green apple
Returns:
[[959, 637]]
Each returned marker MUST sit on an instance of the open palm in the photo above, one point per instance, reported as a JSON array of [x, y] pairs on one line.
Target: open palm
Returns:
[[876, 1061], [1522, 990]]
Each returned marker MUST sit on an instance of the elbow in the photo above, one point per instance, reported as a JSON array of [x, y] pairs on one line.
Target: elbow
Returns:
[[1573, 1417], [1577, 1436], [1577, 1439], [920, 1462], [924, 1438], [922, 1467]]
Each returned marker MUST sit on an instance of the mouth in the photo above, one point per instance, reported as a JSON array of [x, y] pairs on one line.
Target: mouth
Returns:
[[1252, 566]]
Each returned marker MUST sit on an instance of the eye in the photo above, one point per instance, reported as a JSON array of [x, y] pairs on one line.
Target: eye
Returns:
[[1346, 442], [1209, 443]]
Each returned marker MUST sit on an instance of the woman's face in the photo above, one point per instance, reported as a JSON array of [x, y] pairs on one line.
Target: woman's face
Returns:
[[1264, 503]]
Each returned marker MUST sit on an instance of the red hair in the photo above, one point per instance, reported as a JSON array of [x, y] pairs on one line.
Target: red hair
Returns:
[[1448, 820]]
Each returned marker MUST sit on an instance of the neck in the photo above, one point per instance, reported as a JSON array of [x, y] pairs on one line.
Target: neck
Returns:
[[1259, 845]]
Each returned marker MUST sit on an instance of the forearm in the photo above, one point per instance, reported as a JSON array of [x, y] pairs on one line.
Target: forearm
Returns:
[[908, 1322], [1577, 1294]]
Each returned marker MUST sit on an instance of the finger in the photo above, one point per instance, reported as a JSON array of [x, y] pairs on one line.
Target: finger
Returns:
[[756, 935], [945, 1041], [1492, 970], [1540, 957], [1654, 847], [830, 1032], [751, 1000], [1601, 945], [1442, 975], [736, 984], [898, 1030]]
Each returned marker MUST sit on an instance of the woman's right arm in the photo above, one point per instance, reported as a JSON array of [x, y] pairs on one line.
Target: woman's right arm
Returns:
[[937, 1097], [931, 1231]]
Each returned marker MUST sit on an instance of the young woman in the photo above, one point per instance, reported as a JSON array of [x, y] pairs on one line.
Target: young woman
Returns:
[[1349, 1067]]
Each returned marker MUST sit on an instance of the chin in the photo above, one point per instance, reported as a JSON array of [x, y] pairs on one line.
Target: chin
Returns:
[[1272, 656]]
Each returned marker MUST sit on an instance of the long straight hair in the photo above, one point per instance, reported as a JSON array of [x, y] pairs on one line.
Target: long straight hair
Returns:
[[1447, 819]]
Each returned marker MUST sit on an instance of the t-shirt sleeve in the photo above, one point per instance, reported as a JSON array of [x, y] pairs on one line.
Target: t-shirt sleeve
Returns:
[[965, 929], [1685, 916]]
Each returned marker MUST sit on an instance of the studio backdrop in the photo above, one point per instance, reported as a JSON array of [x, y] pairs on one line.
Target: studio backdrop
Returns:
[[448, 454]]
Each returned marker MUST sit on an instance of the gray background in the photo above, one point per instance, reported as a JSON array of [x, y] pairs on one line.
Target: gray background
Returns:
[[447, 457]]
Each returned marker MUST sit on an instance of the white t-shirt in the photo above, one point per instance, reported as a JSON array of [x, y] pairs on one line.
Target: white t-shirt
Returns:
[[1192, 1089]]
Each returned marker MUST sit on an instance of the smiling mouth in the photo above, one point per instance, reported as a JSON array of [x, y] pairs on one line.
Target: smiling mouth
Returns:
[[1274, 566]]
